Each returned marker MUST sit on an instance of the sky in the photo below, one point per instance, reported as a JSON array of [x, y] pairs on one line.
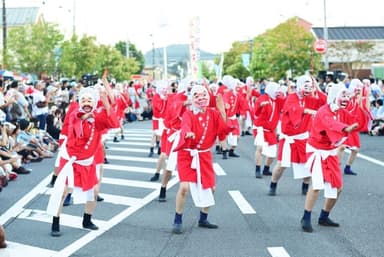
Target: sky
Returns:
[[148, 23]]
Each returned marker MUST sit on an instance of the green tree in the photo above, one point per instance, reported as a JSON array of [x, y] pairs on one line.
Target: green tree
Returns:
[[78, 56], [31, 48], [121, 46], [233, 62], [207, 72], [118, 66], [287, 47]]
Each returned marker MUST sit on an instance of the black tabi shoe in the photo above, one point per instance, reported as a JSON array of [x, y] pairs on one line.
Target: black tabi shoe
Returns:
[[272, 191], [350, 172], [306, 225], [155, 177], [327, 222], [177, 228], [99, 198], [207, 224], [258, 174]]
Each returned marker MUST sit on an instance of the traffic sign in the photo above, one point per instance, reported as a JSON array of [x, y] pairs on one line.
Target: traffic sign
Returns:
[[320, 46]]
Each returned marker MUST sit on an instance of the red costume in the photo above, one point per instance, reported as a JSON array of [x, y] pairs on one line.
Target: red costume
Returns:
[[206, 126], [295, 125]]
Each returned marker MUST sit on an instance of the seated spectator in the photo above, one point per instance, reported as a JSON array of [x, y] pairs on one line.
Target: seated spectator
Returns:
[[10, 161], [26, 138], [377, 127]]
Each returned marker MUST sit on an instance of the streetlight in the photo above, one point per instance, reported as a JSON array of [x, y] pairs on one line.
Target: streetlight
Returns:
[[153, 56]]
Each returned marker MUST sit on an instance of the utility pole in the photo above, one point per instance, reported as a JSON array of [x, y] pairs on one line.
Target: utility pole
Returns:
[[74, 18], [4, 36], [325, 34]]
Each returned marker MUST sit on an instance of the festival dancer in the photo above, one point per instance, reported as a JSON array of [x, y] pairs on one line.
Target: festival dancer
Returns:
[[266, 114], [232, 103], [358, 106], [331, 126], [77, 169], [296, 120], [159, 102], [199, 128], [177, 104]]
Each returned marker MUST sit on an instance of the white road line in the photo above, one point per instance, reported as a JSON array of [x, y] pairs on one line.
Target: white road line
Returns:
[[75, 246], [114, 199], [132, 143], [129, 168], [278, 252], [218, 170], [367, 158], [18, 207], [65, 219], [21, 250], [131, 183], [240, 201], [149, 136], [123, 149], [130, 130], [135, 139], [129, 158]]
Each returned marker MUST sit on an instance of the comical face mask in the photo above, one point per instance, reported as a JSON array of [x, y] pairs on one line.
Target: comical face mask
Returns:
[[343, 99], [87, 103]]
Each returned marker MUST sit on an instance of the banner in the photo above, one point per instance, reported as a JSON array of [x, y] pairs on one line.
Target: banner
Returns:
[[194, 48]]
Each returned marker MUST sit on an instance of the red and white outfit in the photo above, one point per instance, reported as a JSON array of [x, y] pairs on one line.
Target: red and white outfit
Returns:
[[194, 158], [232, 108], [77, 166], [265, 115], [159, 102], [295, 125], [325, 136], [357, 108]]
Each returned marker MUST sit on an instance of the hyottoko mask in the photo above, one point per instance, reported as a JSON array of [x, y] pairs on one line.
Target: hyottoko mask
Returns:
[[200, 97], [338, 97], [88, 98], [304, 85]]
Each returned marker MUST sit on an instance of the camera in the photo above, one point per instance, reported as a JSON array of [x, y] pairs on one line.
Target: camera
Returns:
[[89, 80]]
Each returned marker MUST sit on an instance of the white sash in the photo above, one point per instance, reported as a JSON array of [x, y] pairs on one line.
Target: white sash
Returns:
[[172, 158], [201, 197], [314, 161], [66, 173], [286, 154]]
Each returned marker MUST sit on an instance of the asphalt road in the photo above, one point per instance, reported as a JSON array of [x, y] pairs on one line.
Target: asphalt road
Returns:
[[133, 223]]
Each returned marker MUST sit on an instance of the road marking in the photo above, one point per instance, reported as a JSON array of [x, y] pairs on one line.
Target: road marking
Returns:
[[129, 168], [367, 158], [133, 143], [75, 246], [130, 158], [135, 139], [131, 183], [149, 136], [278, 252], [240, 201], [218, 170], [65, 219], [21, 250], [18, 207], [123, 149]]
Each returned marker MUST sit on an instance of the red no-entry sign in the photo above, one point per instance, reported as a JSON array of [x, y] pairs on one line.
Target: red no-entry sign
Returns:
[[320, 46]]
